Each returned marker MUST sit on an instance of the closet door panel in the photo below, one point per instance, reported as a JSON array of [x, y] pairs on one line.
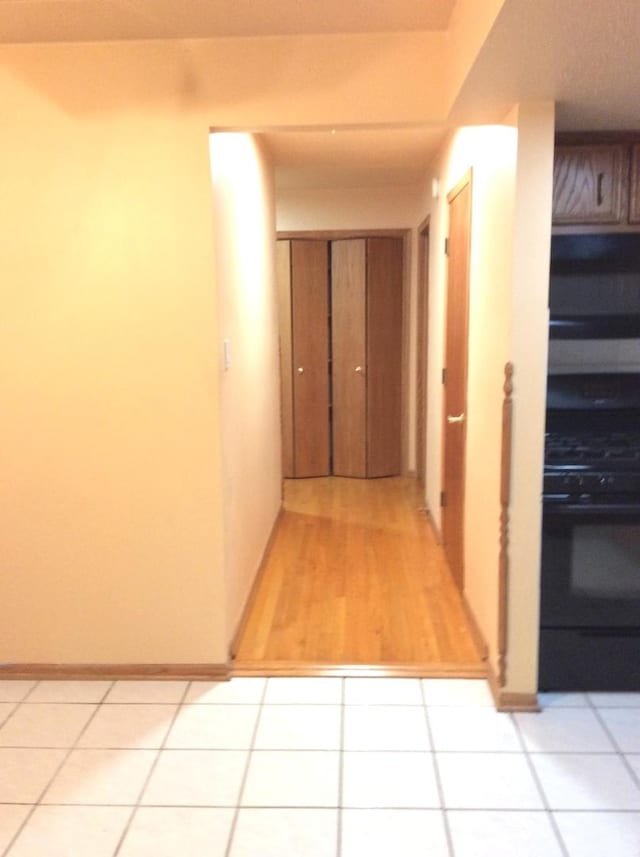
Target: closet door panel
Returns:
[[348, 313], [384, 356], [310, 351], [283, 280]]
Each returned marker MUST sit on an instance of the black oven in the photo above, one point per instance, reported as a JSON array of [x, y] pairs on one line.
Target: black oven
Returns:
[[590, 568], [590, 596]]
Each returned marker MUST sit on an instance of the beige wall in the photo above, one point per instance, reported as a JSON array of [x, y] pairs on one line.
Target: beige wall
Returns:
[[528, 352], [489, 152], [110, 496], [511, 168], [244, 231]]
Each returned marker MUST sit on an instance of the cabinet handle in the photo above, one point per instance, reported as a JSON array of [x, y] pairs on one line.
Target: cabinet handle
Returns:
[[300, 370], [458, 419], [599, 196], [359, 370]]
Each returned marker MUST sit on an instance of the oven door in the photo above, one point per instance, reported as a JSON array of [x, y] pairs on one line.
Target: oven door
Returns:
[[591, 565], [590, 598]]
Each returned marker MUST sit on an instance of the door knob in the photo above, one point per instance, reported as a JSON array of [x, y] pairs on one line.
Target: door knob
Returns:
[[300, 370], [358, 369], [458, 419]]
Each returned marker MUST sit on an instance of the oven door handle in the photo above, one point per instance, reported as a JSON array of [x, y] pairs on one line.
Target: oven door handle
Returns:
[[575, 509]]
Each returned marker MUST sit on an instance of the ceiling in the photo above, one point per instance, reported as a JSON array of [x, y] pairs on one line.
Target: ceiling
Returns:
[[583, 56], [333, 158], [99, 20]]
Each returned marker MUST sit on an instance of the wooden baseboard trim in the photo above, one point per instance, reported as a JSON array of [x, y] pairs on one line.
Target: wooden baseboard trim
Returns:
[[144, 672], [300, 668], [476, 634], [507, 701], [255, 586]]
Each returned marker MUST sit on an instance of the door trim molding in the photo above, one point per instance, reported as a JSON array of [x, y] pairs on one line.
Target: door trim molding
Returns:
[[503, 557]]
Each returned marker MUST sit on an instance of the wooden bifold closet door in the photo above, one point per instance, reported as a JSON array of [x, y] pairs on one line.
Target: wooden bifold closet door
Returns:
[[351, 426]]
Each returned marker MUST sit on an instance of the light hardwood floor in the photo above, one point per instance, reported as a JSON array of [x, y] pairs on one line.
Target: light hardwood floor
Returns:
[[355, 577]]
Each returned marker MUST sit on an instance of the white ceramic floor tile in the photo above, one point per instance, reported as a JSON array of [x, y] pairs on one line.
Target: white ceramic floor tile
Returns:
[[61, 831], [101, 776], [178, 832], [299, 727], [634, 761], [381, 832], [624, 726], [14, 691], [45, 725], [297, 691], [502, 834], [129, 726], [615, 700], [290, 778], [472, 728], [11, 817], [394, 780], [487, 781], [280, 832], [563, 730], [596, 834], [563, 700], [70, 691], [382, 691], [385, 727], [26, 773], [219, 727], [5, 710], [238, 691], [582, 781], [196, 778], [456, 691], [147, 691]]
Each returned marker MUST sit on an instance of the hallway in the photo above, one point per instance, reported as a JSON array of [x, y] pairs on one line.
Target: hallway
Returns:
[[355, 577]]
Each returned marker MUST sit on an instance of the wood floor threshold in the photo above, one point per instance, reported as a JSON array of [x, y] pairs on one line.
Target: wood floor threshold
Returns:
[[381, 670]]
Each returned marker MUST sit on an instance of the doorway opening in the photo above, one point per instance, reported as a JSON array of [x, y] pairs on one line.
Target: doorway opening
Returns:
[[355, 580]]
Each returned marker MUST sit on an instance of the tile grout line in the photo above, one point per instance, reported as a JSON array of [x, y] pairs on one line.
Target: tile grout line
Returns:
[[243, 781], [38, 802], [340, 770], [548, 811], [154, 764], [436, 769], [619, 752]]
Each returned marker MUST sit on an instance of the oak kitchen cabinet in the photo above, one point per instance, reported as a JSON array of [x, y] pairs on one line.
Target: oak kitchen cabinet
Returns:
[[589, 184], [341, 355]]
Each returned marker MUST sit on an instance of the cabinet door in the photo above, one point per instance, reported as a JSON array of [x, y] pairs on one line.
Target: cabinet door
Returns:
[[384, 356], [588, 184], [310, 357], [348, 316], [634, 202]]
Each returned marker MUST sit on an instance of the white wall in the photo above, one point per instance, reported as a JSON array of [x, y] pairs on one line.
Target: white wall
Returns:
[[244, 241]]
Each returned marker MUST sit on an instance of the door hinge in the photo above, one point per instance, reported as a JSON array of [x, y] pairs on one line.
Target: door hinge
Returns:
[[443, 498], [444, 376], [446, 246]]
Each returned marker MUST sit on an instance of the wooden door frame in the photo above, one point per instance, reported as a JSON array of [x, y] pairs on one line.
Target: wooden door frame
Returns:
[[466, 180], [405, 234], [422, 354]]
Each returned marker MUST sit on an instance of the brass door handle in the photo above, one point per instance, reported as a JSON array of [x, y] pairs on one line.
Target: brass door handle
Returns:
[[458, 419]]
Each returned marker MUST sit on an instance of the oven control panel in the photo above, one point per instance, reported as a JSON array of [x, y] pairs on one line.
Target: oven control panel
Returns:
[[589, 483]]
